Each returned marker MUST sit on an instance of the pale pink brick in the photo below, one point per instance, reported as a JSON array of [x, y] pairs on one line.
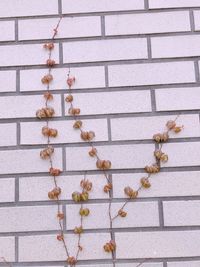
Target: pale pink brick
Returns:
[[175, 46], [27, 161], [147, 23], [7, 190], [24, 219], [173, 3], [158, 244], [181, 213], [13, 8], [121, 156], [140, 214], [85, 6], [164, 184], [27, 54], [178, 99], [7, 248], [34, 248], [104, 50], [151, 73], [76, 27], [111, 102], [140, 128], [66, 132], [7, 30], [26, 106], [86, 78], [8, 134], [37, 188], [7, 81]]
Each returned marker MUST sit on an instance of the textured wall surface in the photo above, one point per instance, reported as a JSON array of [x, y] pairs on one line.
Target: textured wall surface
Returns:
[[136, 64]]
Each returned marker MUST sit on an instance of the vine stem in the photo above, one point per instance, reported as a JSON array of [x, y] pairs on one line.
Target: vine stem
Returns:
[[59, 209]]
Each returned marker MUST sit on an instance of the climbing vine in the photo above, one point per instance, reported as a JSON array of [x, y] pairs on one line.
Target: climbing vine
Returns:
[[81, 196]]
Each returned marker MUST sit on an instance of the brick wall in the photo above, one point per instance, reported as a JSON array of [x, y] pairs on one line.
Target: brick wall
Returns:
[[137, 65]]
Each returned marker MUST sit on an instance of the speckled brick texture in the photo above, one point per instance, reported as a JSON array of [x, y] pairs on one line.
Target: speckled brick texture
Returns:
[[136, 64]]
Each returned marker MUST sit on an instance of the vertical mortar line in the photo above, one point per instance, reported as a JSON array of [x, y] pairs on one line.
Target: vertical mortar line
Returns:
[[149, 51], [153, 100], [18, 133], [65, 219], [16, 30], [146, 4], [196, 69], [60, 53], [161, 214], [106, 76], [109, 129], [60, 7], [165, 264], [16, 248], [192, 24], [63, 105], [17, 80], [103, 29], [64, 158], [16, 189]]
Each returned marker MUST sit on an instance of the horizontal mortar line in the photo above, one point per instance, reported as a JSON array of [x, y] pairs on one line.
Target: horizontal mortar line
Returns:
[[102, 116], [105, 116], [100, 37], [104, 63], [113, 171], [103, 89], [97, 143], [43, 203], [100, 13], [107, 261], [105, 230]]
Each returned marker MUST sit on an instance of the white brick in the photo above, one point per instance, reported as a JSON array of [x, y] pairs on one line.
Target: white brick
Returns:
[[140, 128], [127, 265], [28, 54], [24, 219], [175, 46], [34, 248], [30, 80], [164, 184], [155, 73], [36, 188], [7, 30], [181, 213], [26, 106], [173, 3], [158, 244], [7, 248], [111, 102], [136, 264], [104, 50], [178, 99], [76, 27], [66, 132], [197, 20], [7, 190], [8, 134], [147, 23], [121, 156], [182, 154], [27, 161], [139, 214], [10, 8], [184, 264], [7, 81], [83, 6]]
